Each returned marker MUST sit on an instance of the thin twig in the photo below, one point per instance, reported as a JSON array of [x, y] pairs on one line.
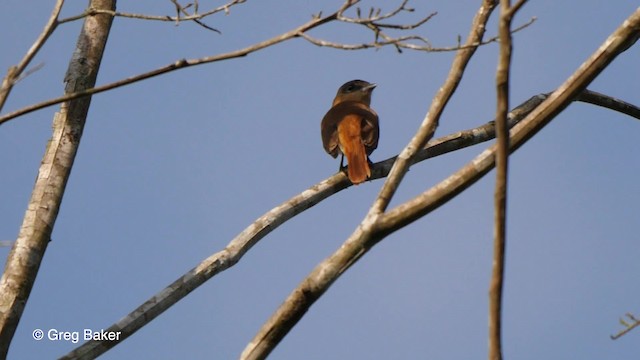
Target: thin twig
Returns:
[[486, 41], [184, 63], [400, 41], [181, 9], [298, 32], [375, 17], [627, 326], [15, 72], [90, 11], [179, 64]]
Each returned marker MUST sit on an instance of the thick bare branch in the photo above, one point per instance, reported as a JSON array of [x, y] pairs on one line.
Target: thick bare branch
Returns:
[[27, 252], [376, 226], [294, 307], [277, 216], [14, 73], [555, 102]]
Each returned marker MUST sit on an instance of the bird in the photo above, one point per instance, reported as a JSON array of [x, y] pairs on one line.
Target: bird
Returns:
[[351, 128]]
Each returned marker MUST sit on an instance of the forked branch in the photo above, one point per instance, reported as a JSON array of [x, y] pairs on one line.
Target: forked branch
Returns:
[[16, 72], [272, 219], [627, 326], [182, 14], [380, 223], [301, 31]]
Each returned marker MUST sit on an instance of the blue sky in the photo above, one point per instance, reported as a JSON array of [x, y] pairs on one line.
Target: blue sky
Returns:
[[171, 169]]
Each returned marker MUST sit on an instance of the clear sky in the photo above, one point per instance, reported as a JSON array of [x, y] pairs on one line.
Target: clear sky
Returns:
[[171, 169]]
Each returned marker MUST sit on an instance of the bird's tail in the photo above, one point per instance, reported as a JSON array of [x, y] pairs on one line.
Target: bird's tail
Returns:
[[350, 139]]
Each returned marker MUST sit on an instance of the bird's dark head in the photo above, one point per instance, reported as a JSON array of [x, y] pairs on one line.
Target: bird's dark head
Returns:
[[355, 90]]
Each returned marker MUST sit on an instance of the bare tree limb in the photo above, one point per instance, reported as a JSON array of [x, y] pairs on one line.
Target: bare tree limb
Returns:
[[238, 250], [299, 301], [277, 216], [412, 210], [184, 63], [376, 226], [404, 42], [399, 42], [502, 169], [27, 252], [181, 9], [627, 326], [430, 122], [268, 222], [14, 73], [177, 19], [608, 102]]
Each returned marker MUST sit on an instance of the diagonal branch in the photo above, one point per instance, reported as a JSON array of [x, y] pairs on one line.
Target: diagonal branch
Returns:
[[627, 326], [179, 64], [14, 73], [277, 216], [376, 226], [184, 63], [430, 122], [366, 235], [419, 206]]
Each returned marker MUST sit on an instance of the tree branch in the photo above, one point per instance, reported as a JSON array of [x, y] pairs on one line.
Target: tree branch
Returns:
[[430, 122], [627, 326], [502, 170], [412, 210], [404, 42], [184, 63], [181, 9], [27, 252], [294, 307], [595, 98], [277, 216], [376, 226], [177, 19], [14, 73]]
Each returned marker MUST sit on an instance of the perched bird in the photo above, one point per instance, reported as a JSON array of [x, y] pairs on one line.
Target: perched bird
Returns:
[[351, 128]]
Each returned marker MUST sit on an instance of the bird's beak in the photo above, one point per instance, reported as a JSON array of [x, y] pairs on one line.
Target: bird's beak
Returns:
[[369, 87]]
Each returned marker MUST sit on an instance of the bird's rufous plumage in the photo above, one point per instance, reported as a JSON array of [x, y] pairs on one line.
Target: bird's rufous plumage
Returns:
[[351, 128]]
